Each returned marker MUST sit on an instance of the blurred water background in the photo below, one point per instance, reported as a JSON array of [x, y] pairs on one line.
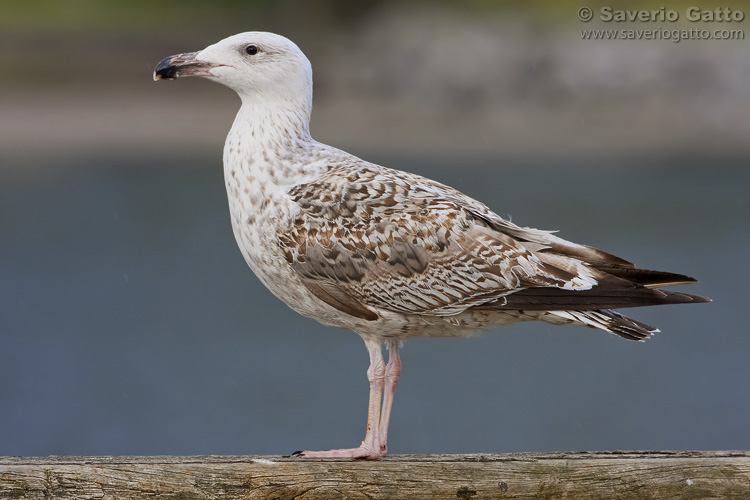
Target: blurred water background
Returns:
[[130, 324]]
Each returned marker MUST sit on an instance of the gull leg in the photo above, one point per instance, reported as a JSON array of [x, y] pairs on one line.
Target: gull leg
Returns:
[[392, 371], [370, 447]]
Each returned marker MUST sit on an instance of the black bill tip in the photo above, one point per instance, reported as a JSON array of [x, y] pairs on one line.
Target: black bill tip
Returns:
[[181, 65], [166, 69]]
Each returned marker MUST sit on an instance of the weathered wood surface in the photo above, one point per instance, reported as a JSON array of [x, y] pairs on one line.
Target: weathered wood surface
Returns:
[[581, 476]]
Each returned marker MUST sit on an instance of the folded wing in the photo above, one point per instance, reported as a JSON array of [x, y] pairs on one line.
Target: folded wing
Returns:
[[374, 240]]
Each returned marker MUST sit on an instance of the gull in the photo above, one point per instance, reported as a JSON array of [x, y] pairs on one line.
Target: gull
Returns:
[[388, 254]]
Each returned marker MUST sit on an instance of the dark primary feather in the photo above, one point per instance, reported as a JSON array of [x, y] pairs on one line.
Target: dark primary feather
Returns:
[[603, 296], [647, 277]]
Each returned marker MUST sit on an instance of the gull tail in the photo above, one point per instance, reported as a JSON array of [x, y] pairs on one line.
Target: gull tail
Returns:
[[610, 321]]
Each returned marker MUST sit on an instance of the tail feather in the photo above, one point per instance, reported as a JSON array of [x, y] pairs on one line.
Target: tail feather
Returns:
[[610, 321]]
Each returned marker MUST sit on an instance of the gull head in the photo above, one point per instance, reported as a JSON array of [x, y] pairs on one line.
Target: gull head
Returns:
[[256, 65]]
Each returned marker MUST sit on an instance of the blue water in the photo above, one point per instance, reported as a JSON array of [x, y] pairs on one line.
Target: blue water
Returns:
[[130, 324]]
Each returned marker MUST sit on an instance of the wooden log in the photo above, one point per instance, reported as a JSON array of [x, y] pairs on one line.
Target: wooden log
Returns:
[[582, 476]]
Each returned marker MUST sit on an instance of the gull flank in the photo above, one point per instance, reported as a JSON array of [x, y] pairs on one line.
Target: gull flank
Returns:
[[389, 254]]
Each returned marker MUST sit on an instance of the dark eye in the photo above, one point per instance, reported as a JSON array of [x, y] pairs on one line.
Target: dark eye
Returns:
[[251, 49]]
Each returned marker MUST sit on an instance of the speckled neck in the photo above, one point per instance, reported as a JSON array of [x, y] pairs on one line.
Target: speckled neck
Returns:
[[268, 139]]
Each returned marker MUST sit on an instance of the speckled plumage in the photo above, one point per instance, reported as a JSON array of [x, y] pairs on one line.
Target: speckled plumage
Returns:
[[388, 254]]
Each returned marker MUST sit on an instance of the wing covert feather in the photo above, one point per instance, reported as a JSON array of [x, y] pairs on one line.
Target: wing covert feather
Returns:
[[407, 244]]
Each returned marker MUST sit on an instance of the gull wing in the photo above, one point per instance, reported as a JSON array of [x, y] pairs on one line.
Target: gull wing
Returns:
[[374, 238], [377, 239]]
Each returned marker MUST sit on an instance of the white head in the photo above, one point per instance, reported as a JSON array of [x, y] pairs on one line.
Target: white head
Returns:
[[256, 65]]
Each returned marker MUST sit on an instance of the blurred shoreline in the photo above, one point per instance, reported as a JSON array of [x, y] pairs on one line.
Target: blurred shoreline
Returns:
[[407, 81]]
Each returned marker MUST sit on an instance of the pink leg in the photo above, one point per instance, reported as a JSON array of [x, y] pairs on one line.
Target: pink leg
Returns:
[[392, 371], [370, 447]]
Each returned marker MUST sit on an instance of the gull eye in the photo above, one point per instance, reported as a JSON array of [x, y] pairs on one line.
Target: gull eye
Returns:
[[251, 49]]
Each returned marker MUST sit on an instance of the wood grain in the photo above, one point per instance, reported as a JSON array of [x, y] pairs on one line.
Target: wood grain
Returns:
[[588, 475]]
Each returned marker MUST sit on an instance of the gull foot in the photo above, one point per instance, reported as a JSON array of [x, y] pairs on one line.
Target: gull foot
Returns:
[[295, 454], [363, 452]]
